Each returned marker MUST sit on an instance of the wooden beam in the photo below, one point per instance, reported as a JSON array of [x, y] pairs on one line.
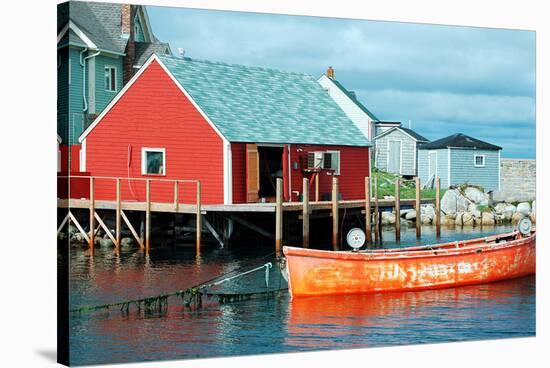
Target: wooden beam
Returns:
[[368, 211], [376, 211], [63, 223], [176, 195], [92, 212], [417, 207], [77, 224], [198, 217], [253, 227], [132, 230], [317, 187], [147, 215], [437, 206], [118, 224], [279, 216], [397, 209], [335, 219], [305, 213], [213, 231], [105, 228]]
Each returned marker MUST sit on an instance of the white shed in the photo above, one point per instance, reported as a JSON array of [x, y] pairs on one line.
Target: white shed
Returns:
[[396, 151]]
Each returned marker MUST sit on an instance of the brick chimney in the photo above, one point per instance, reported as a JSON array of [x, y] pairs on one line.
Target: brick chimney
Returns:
[[126, 19], [330, 72]]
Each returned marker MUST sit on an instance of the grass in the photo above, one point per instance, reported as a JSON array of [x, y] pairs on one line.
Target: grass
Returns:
[[386, 187]]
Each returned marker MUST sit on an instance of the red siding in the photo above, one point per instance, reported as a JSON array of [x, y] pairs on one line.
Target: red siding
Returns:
[[354, 167], [75, 157], [238, 155], [154, 113]]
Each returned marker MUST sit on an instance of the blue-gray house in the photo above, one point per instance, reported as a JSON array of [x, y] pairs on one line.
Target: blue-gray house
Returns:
[[459, 159]]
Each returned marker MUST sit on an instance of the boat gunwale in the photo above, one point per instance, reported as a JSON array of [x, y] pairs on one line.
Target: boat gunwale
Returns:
[[485, 247]]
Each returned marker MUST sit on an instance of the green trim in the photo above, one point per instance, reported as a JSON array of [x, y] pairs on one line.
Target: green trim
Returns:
[[354, 99]]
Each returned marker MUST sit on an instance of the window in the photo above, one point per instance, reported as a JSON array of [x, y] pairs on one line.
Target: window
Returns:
[[110, 78], [332, 161], [153, 161], [479, 160]]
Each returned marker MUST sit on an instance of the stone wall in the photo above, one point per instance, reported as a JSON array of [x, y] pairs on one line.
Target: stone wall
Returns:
[[517, 180]]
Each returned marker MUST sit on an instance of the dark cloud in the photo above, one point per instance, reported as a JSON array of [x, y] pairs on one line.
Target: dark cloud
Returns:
[[444, 79]]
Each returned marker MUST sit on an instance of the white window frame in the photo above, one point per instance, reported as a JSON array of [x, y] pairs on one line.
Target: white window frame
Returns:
[[144, 151], [108, 67], [475, 160], [337, 169]]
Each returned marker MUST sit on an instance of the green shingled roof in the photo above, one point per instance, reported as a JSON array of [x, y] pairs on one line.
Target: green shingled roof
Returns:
[[252, 104]]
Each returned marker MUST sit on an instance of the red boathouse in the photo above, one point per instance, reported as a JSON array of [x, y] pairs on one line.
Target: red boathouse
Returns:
[[234, 128]]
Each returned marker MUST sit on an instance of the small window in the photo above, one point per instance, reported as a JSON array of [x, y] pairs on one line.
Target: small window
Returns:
[[153, 161], [332, 161], [479, 160], [110, 78]]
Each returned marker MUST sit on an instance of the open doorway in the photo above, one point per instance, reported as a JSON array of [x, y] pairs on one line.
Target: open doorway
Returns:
[[271, 168]]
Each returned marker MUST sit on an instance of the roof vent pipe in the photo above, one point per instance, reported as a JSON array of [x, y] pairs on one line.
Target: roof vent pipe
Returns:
[[330, 72]]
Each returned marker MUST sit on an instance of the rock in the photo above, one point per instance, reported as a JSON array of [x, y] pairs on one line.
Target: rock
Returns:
[[389, 197], [78, 238], [403, 213], [127, 242], [448, 220], [473, 209], [500, 208], [453, 202], [72, 230], [533, 208], [411, 215], [516, 217], [458, 218], [487, 218], [428, 210], [476, 195], [388, 218], [97, 241], [61, 236], [467, 219], [425, 219], [524, 208], [533, 218], [106, 243]]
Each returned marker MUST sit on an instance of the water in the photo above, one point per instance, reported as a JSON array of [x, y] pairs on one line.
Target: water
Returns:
[[270, 325]]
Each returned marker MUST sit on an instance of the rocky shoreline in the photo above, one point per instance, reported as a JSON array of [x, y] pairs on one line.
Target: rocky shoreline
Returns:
[[467, 206]]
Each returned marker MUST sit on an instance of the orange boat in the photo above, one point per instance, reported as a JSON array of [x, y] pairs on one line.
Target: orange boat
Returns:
[[494, 258]]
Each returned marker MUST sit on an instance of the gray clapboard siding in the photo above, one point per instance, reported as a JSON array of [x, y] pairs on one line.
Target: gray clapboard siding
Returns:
[[463, 169], [408, 152]]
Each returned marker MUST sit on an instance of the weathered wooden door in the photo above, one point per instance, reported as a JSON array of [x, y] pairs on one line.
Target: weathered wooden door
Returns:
[[394, 157], [252, 173]]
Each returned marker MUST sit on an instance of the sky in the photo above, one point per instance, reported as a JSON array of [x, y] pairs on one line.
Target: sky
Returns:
[[443, 79]]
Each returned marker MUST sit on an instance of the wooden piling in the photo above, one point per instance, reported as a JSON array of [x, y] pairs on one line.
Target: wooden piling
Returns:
[[279, 216], [199, 217], [305, 213], [437, 206], [417, 207], [147, 214], [92, 215], [317, 187], [376, 212], [335, 219], [367, 211], [118, 222], [397, 209], [176, 196]]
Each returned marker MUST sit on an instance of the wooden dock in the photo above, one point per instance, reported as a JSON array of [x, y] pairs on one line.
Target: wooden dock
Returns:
[[370, 207]]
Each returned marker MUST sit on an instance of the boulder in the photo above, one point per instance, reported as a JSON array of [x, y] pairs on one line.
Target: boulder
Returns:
[[127, 242], [458, 218], [533, 211], [453, 201], [388, 218], [473, 209], [428, 210], [467, 219], [72, 230], [411, 215], [508, 212], [106, 243], [425, 219], [487, 218], [516, 217], [500, 208], [524, 208], [403, 213], [533, 218], [389, 197], [476, 195], [78, 238], [448, 220]]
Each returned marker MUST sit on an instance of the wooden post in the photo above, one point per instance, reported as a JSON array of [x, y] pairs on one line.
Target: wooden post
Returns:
[[176, 196], [117, 214], [367, 211], [397, 209], [199, 217], [147, 214], [437, 206], [335, 219], [279, 216], [376, 212], [317, 187], [305, 213], [417, 207], [92, 215]]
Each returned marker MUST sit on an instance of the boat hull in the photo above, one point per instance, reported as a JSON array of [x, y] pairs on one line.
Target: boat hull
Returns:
[[316, 272]]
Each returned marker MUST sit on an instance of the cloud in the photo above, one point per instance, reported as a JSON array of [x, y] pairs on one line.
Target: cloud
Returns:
[[444, 78]]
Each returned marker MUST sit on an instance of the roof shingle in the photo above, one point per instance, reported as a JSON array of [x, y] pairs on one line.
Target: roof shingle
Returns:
[[460, 140]]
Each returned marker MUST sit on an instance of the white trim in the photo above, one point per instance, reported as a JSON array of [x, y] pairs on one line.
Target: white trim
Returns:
[[144, 151], [116, 77], [499, 170], [400, 155], [227, 174], [91, 86], [483, 158], [79, 33], [415, 158], [397, 128], [448, 167], [430, 163], [289, 163], [82, 156]]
